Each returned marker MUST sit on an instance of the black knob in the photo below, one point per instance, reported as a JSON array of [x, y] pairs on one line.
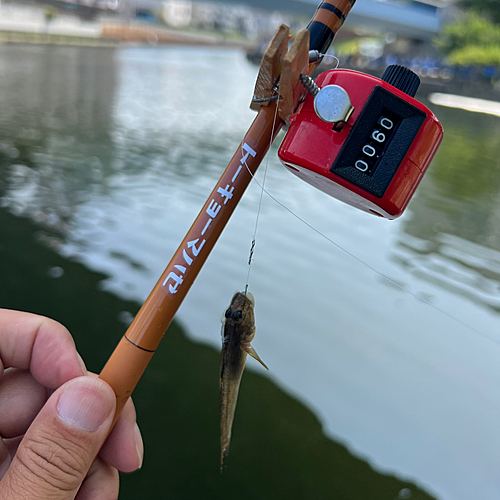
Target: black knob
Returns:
[[402, 78]]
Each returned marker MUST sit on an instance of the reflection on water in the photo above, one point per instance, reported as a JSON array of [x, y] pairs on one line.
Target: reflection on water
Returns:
[[105, 159], [55, 136], [455, 228]]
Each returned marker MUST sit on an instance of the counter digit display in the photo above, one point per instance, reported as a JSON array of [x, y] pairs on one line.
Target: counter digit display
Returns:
[[378, 142], [379, 138]]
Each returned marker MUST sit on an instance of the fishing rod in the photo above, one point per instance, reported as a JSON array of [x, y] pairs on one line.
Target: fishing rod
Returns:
[[130, 358]]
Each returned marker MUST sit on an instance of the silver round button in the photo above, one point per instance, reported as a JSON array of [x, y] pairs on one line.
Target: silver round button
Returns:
[[333, 104]]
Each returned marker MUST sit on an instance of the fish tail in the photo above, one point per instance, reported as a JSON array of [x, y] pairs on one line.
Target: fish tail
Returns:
[[223, 457]]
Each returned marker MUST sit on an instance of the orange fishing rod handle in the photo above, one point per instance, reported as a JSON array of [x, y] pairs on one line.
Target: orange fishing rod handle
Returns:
[[130, 358], [124, 370]]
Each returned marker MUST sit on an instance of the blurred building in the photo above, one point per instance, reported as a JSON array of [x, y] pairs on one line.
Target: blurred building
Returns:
[[217, 16], [416, 19], [48, 19], [178, 13]]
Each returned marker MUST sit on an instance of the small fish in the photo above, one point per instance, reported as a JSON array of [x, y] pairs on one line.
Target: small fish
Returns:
[[238, 331]]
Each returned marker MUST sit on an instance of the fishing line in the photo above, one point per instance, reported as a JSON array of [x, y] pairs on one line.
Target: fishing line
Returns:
[[325, 56], [276, 96], [252, 248], [370, 267]]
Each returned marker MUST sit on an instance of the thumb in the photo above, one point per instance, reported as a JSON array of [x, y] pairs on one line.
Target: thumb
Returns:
[[61, 443]]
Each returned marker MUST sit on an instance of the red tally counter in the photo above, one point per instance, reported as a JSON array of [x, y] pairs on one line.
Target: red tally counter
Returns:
[[363, 140]]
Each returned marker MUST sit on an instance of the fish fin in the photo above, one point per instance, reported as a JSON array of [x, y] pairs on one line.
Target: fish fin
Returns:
[[252, 352]]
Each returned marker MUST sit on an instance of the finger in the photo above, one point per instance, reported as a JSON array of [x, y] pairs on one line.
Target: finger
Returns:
[[41, 345], [21, 398], [124, 448], [61, 444], [101, 483]]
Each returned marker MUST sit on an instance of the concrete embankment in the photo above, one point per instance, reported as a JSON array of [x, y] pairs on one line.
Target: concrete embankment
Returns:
[[135, 32], [114, 34], [54, 39]]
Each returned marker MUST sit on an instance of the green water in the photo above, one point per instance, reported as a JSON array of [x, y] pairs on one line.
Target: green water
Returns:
[[106, 157], [282, 452]]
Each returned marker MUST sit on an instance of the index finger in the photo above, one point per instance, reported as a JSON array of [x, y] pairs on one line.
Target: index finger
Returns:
[[40, 344]]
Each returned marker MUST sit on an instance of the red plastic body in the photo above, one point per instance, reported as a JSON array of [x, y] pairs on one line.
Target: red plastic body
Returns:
[[311, 146]]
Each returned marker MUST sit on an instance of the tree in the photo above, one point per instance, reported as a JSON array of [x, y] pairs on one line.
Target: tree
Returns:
[[471, 41], [488, 8]]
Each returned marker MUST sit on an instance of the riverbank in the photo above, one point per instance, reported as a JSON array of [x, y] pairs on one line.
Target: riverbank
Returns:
[[22, 25], [114, 34], [146, 33], [20, 37]]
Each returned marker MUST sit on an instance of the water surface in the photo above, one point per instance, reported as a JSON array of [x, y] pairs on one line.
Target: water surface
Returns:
[[106, 158]]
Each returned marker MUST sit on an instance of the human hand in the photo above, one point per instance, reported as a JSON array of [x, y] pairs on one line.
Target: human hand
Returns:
[[55, 417]]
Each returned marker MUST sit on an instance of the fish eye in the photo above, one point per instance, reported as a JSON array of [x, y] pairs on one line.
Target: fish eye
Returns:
[[228, 313], [237, 315]]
